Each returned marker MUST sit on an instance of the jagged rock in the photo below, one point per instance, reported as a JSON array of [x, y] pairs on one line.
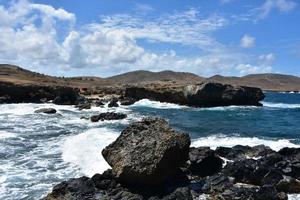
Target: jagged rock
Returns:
[[243, 171], [108, 116], [217, 184], [240, 152], [105, 187], [204, 162], [13, 93], [46, 110], [83, 106], [288, 185], [201, 95], [113, 103], [98, 103], [147, 152], [127, 101]]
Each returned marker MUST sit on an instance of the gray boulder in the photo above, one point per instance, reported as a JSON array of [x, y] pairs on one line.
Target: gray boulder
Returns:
[[148, 152]]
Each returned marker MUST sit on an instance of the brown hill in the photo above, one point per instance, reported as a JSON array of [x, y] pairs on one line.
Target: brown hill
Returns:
[[147, 76], [270, 82]]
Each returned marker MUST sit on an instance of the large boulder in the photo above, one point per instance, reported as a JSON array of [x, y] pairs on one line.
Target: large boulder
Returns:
[[148, 152], [201, 95]]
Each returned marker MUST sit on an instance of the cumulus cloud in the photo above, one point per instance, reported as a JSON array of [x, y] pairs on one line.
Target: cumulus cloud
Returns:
[[247, 41], [31, 36]]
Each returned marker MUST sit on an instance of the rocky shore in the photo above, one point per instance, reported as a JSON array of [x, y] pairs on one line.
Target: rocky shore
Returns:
[[198, 95], [150, 160]]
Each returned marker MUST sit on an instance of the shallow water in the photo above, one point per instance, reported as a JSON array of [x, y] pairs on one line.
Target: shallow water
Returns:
[[38, 151]]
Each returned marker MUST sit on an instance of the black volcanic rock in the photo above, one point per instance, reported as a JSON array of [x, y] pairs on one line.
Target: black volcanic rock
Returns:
[[108, 116], [201, 95], [127, 101], [84, 106], [147, 152], [12, 93], [113, 103], [204, 162], [46, 110], [240, 151]]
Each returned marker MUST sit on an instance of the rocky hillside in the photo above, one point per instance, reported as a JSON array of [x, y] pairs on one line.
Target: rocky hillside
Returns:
[[147, 76], [270, 82]]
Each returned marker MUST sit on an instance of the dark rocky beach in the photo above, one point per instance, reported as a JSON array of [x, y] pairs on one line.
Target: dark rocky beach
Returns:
[[150, 160]]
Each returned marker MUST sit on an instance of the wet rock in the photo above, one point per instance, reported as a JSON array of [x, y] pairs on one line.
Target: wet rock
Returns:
[[147, 152], [113, 103], [108, 116], [217, 184], [98, 103], [84, 106], [127, 101], [240, 152], [243, 171], [204, 162], [46, 110], [288, 185]]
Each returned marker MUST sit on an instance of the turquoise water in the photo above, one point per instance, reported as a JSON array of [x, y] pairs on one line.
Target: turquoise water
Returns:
[[38, 151]]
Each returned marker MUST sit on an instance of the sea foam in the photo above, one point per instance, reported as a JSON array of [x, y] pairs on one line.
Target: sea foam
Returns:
[[84, 150], [5, 134], [280, 105], [215, 141], [156, 104]]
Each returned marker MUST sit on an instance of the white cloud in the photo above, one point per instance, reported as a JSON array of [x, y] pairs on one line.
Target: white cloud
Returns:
[[269, 5], [112, 45], [247, 41], [187, 28], [267, 58]]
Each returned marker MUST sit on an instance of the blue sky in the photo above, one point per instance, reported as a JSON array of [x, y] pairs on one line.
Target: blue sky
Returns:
[[104, 37]]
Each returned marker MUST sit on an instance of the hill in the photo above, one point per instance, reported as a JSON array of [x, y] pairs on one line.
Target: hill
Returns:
[[269, 82], [147, 76]]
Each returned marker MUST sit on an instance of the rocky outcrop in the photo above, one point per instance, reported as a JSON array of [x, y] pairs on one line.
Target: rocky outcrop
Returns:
[[46, 110], [148, 163], [84, 106], [203, 162], [147, 152], [11, 93], [127, 101], [201, 95], [113, 103], [108, 116]]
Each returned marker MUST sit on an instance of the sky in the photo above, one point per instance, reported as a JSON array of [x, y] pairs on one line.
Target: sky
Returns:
[[104, 37]]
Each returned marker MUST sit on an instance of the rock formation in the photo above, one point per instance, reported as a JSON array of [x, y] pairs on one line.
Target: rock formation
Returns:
[[46, 110], [11, 93], [151, 161], [108, 116], [201, 95], [147, 152]]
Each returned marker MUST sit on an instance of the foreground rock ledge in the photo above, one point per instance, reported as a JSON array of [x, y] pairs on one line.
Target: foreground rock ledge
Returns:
[[141, 159], [200, 95], [147, 152]]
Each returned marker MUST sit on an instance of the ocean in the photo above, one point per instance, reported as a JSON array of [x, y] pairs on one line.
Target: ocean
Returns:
[[38, 151]]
